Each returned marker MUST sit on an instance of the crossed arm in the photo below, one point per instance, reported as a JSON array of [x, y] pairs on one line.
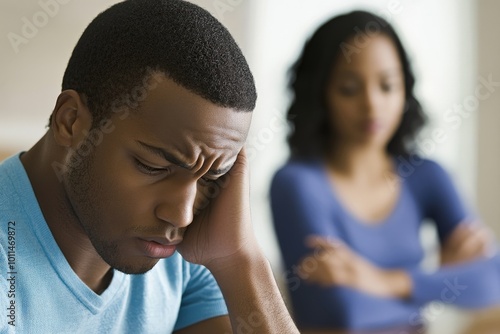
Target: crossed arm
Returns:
[[339, 265], [302, 207]]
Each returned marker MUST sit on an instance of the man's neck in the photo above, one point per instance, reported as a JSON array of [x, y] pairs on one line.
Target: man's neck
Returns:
[[60, 217]]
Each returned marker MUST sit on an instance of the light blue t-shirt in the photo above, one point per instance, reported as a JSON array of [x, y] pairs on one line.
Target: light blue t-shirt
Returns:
[[40, 293]]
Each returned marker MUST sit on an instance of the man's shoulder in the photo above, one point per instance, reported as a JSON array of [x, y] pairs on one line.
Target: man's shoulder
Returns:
[[10, 195], [8, 198], [8, 167], [176, 278]]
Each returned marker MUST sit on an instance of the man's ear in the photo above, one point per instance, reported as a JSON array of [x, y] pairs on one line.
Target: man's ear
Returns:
[[70, 118]]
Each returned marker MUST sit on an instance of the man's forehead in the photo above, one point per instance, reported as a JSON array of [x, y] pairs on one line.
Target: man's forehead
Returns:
[[171, 101], [179, 126]]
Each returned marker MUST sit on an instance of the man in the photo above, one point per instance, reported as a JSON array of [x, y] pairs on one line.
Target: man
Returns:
[[143, 158]]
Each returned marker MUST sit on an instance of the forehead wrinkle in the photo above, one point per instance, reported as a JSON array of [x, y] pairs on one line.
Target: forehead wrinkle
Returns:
[[226, 131], [217, 137], [214, 155], [165, 155]]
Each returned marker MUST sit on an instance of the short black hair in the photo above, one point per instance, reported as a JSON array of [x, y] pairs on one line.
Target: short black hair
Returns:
[[126, 42], [309, 76]]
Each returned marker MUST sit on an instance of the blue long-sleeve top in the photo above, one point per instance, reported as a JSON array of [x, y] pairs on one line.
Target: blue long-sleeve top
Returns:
[[304, 203]]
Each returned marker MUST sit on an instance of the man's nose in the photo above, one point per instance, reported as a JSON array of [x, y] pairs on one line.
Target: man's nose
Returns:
[[177, 201]]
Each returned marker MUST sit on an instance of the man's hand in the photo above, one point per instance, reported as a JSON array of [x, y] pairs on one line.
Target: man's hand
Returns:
[[221, 238], [467, 242], [222, 232], [334, 263]]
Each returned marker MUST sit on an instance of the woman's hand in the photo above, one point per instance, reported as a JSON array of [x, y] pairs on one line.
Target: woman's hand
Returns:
[[334, 263], [467, 242]]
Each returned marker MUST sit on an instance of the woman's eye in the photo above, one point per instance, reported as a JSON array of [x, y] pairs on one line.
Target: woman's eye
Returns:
[[348, 90], [387, 88], [150, 170]]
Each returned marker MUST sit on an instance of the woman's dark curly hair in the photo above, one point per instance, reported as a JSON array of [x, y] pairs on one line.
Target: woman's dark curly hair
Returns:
[[311, 131]]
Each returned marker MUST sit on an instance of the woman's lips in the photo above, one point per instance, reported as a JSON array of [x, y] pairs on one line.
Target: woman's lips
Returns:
[[372, 126]]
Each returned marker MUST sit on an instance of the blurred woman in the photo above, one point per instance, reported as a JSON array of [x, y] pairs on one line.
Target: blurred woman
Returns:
[[349, 205]]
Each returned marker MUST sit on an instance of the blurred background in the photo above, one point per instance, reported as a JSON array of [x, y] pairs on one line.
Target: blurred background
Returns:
[[454, 47]]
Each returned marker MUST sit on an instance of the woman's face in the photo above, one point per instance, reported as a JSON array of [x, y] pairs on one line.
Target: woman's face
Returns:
[[366, 93]]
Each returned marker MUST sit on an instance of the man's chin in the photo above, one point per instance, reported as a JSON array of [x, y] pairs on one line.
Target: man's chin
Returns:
[[131, 269]]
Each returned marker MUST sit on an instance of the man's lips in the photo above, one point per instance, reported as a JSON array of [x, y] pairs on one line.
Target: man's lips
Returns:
[[158, 248], [164, 241]]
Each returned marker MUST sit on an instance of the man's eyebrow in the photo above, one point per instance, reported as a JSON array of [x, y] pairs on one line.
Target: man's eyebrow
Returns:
[[163, 154]]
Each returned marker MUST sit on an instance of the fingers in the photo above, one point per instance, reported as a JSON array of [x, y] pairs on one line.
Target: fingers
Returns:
[[323, 270], [242, 156], [240, 167], [478, 242], [468, 241], [334, 249], [241, 159], [458, 235], [320, 265], [315, 241], [332, 262], [461, 234], [235, 184]]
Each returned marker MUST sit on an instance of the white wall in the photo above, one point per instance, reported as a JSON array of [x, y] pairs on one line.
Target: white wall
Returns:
[[31, 72], [489, 116]]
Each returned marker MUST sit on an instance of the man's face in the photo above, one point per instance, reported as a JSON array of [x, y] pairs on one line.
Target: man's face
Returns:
[[136, 193]]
